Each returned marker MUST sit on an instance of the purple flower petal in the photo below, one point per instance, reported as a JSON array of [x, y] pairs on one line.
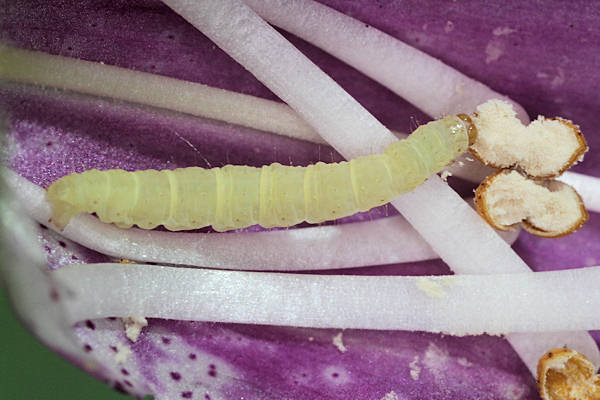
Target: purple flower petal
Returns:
[[543, 55]]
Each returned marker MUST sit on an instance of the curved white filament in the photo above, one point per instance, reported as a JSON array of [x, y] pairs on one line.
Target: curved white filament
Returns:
[[383, 241], [460, 304], [192, 98]]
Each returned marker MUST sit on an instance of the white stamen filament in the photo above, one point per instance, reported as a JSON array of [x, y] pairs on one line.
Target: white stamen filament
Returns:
[[459, 304], [99, 79]]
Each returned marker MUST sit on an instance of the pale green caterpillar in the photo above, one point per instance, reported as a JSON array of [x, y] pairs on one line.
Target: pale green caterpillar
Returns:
[[235, 197]]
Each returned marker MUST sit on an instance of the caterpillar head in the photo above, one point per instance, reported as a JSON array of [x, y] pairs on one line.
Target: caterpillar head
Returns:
[[543, 149], [60, 197]]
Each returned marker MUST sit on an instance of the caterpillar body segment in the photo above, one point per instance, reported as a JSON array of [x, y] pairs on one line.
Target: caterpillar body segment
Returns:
[[234, 197]]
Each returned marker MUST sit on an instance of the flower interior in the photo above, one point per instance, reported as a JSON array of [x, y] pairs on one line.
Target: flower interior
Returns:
[[215, 334]]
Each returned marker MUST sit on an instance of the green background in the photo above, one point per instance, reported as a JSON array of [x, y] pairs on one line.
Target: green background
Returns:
[[28, 370]]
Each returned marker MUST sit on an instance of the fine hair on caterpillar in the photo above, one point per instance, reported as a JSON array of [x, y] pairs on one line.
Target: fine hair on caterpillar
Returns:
[[234, 197]]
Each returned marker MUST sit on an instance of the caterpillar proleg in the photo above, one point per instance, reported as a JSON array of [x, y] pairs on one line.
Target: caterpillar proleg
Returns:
[[234, 197]]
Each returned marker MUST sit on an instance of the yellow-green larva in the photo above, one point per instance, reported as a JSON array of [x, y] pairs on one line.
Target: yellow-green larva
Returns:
[[234, 197]]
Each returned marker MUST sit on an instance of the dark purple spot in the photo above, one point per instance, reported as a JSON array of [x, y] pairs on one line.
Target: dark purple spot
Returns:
[[170, 36], [207, 396], [335, 375], [192, 356], [74, 257], [90, 324], [43, 226], [112, 318], [119, 388], [114, 348], [124, 371], [87, 348], [48, 144], [47, 248], [212, 366], [128, 383], [212, 373], [166, 340], [176, 376], [186, 395], [54, 296], [62, 244], [304, 375]]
